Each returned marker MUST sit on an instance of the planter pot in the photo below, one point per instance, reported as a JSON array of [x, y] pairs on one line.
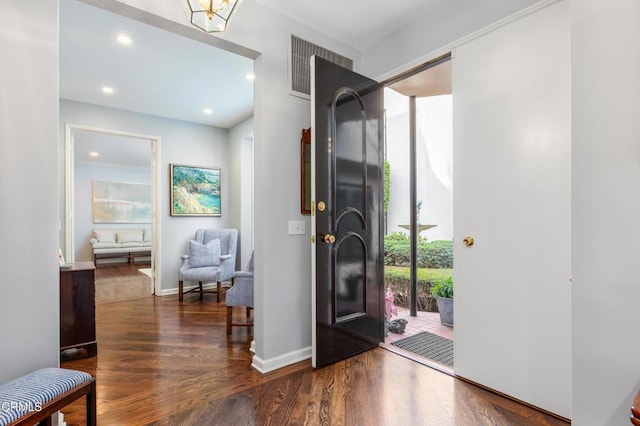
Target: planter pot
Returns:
[[445, 307]]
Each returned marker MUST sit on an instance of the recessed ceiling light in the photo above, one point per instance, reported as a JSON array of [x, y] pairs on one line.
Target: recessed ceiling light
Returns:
[[94, 154], [208, 111], [108, 90], [124, 39], [250, 76]]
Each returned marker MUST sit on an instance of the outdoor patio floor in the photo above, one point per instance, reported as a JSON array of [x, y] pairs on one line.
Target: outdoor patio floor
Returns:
[[425, 321]]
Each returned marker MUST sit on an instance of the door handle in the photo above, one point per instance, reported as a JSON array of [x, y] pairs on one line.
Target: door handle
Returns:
[[468, 241], [328, 238]]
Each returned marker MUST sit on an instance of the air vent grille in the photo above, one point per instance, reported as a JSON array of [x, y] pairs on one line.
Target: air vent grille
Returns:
[[301, 52]]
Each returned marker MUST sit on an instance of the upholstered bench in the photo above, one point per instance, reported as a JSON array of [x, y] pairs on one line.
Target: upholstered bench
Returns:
[[34, 397]]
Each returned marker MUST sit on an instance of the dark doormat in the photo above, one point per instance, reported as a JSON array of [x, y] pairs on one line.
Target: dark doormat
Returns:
[[430, 346]]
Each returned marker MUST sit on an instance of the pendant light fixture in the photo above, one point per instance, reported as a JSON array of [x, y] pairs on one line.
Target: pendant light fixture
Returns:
[[211, 16]]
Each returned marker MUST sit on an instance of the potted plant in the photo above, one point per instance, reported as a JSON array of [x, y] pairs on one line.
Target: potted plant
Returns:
[[443, 292]]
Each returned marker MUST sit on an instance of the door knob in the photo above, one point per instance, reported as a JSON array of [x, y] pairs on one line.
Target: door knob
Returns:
[[321, 206], [468, 241], [329, 239]]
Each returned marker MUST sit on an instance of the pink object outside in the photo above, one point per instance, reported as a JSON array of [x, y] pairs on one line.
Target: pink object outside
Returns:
[[389, 307]]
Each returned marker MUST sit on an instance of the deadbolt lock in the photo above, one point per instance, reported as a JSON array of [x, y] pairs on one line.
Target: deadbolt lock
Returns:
[[468, 241], [321, 206]]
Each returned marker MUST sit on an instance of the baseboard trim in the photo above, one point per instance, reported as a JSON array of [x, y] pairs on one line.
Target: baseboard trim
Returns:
[[272, 364]]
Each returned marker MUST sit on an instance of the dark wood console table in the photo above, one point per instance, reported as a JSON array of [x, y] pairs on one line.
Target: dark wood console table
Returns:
[[77, 311]]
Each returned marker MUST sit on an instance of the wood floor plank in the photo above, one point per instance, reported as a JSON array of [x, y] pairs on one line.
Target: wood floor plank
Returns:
[[165, 363]]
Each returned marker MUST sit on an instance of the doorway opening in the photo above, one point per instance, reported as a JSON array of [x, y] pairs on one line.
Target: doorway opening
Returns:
[[418, 210], [120, 163], [196, 120]]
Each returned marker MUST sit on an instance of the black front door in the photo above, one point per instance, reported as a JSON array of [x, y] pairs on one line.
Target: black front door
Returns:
[[347, 148]]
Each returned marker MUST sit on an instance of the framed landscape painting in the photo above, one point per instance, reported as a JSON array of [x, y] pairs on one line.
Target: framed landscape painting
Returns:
[[195, 191], [121, 202]]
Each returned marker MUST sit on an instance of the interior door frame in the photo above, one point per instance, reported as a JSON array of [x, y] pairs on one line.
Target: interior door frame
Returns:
[[314, 282], [69, 193], [387, 83]]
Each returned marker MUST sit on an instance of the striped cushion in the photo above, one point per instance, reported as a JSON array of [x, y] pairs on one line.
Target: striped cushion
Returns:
[[31, 391]]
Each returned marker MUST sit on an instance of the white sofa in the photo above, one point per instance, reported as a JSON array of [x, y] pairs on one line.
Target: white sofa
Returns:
[[114, 243]]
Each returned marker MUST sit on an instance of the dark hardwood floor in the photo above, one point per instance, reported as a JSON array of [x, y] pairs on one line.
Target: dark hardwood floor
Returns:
[[162, 362]]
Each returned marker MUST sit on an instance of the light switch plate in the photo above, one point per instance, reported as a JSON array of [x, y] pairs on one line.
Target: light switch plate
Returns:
[[296, 227]]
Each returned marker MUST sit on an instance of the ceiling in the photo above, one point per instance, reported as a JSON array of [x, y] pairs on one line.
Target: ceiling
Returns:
[[375, 19], [159, 73], [433, 81]]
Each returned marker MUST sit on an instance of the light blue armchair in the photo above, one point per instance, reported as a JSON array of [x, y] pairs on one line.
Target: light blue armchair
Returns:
[[241, 294], [211, 258]]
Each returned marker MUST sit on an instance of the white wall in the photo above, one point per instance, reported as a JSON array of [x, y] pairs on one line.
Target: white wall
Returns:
[[605, 76], [29, 309], [241, 186], [180, 143], [85, 174]]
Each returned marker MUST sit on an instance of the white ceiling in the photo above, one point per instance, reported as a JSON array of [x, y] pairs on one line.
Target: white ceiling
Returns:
[[160, 73], [359, 23]]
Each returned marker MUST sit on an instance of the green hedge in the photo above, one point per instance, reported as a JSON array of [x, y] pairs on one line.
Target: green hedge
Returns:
[[434, 254], [397, 278]]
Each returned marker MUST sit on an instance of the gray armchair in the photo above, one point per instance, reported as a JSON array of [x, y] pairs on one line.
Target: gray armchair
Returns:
[[241, 294], [211, 258]]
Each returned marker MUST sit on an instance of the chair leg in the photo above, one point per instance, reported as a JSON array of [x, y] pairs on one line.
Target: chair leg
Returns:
[[201, 292], [218, 290], [229, 312], [91, 405], [180, 294]]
